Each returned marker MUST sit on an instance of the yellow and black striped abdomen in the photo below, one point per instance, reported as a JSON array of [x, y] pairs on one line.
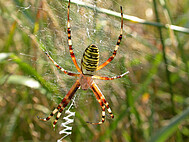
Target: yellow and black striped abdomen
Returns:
[[90, 59]]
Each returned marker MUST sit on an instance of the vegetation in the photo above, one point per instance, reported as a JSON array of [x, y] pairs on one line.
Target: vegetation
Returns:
[[150, 104]]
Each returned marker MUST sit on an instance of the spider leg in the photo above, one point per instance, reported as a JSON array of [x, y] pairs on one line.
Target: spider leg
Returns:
[[110, 78], [60, 68], [70, 42], [117, 45], [96, 90], [101, 104], [60, 111], [63, 104]]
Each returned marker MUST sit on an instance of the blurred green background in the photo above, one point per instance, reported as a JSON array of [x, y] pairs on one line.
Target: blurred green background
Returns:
[[151, 103]]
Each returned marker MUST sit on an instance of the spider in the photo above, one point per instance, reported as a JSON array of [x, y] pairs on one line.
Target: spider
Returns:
[[89, 64]]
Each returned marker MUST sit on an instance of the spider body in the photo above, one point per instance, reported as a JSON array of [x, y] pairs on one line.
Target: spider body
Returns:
[[89, 64], [90, 60]]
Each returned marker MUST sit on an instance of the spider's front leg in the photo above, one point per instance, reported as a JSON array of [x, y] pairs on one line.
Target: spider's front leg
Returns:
[[117, 45], [63, 104], [61, 68]]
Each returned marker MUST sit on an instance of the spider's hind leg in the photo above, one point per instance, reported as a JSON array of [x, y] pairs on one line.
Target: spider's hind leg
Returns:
[[59, 109], [101, 96], [59, 114], [52, 113], [103, 110], [63, 104], [102, 103]]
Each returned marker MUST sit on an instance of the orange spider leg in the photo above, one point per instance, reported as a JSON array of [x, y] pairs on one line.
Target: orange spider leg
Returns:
[[110, 78], [96, 90], [63, 104], [70, 42], [117, 45], [101, 104], [60, 68]]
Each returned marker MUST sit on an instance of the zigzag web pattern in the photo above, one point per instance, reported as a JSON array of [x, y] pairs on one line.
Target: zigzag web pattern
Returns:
[[67, 129]]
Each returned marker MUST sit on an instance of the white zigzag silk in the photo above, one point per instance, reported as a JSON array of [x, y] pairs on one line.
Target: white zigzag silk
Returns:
[[67, 129]]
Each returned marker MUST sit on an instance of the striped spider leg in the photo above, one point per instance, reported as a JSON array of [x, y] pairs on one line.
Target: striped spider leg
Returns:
[[117, 45], [89, 64]]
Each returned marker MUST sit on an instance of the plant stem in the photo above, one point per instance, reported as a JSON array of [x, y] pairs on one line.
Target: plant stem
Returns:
[[130, 18], [168, 74]]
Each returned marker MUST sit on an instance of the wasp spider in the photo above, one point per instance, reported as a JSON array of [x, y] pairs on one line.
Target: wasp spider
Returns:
[[89, 64]]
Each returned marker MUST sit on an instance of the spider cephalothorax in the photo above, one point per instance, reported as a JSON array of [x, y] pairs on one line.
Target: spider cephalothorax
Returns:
[[89, 64]]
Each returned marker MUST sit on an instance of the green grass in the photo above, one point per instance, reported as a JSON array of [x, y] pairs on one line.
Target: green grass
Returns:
[[150, 104]]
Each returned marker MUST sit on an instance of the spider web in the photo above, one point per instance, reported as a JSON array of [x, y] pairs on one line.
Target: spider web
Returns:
[[89, 26]]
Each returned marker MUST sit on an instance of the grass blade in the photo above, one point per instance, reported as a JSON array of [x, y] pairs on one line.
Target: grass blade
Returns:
[[168, 130]]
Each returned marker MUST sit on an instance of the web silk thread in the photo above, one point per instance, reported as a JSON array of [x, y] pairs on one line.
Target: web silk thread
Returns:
[[67, 129]]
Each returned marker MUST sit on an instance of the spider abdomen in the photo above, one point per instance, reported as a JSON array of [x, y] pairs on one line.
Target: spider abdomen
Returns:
[[90, 59]]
